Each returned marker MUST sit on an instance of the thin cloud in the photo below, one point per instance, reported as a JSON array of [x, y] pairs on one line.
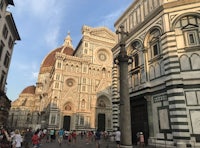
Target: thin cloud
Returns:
[[30, 70], [35, 75], [40, 9], [52, 37], [109, 20]]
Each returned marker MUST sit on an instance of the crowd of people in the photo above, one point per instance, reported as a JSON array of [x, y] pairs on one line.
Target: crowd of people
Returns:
[[35, 138]]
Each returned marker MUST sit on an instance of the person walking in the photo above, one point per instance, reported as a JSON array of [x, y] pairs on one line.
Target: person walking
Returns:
[[18, 139], [60, 136], [52, 133], [117, 137], [27, 138], [74, 136], [36, 140], [97, 138]]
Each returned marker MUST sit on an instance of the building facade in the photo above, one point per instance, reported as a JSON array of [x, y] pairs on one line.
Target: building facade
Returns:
[[8, 36], [73, 90], [164, 78]]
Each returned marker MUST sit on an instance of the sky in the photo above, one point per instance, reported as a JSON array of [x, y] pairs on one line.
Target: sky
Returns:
[[43, 26]]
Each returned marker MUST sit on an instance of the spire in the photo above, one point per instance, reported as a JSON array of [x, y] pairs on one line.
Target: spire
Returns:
[[68, 41]]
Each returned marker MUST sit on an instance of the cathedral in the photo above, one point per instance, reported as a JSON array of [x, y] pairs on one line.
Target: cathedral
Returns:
[[79, 89], [73, 89]]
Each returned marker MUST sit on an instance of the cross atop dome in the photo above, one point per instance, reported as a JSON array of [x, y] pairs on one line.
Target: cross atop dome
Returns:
[[68, 41]]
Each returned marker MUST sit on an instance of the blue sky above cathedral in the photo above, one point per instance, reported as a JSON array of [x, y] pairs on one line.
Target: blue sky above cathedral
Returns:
[[43, 26]]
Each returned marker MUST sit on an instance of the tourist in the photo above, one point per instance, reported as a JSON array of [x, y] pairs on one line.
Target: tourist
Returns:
[[4, 139], [97, 138], [52, 133], [28, 138], [74, 136], [18, 139], [60, 136], [117, 137], [36, 140], [69, 138], [141, 138]]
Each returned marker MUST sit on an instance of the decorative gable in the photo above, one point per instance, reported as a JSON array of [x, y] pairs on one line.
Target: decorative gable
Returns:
[[103, 33]]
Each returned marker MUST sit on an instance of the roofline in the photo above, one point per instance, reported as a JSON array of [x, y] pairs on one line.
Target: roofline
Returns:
[[125, 12], [80, 42], [12, 26]]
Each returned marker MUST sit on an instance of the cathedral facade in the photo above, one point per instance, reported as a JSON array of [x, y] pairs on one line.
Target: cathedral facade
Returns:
[[73, 90], [164, 78]]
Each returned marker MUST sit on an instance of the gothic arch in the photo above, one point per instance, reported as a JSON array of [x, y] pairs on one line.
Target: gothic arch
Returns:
[[103, 101], [68, 106]]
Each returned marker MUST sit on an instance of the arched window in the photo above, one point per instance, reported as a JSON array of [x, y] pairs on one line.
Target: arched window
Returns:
[[189, 25], [136, 48], [58, 65], [154, 43]]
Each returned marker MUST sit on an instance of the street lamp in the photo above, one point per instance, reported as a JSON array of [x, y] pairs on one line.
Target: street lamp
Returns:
[[125, 117]]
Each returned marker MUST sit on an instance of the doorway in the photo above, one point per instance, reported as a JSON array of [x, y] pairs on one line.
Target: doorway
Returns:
[[101, 122], [66, 123], [139, 119]]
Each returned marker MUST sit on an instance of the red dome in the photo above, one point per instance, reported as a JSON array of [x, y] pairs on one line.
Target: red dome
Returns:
[[49, 61], [29, 90]]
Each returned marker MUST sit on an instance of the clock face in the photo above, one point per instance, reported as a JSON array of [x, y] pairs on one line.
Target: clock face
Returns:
[[102, 56]]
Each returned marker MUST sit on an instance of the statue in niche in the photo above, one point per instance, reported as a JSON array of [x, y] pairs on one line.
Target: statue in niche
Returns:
[[101, 103]]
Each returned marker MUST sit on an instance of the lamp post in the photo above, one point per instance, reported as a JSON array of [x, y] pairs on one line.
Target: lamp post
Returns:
[[125, 119]]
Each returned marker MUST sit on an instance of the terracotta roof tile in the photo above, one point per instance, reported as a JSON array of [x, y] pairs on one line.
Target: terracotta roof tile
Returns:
[[29, 90], [50, 58]]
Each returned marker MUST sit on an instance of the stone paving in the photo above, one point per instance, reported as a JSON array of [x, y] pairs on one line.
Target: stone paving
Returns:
[[82, 143]]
